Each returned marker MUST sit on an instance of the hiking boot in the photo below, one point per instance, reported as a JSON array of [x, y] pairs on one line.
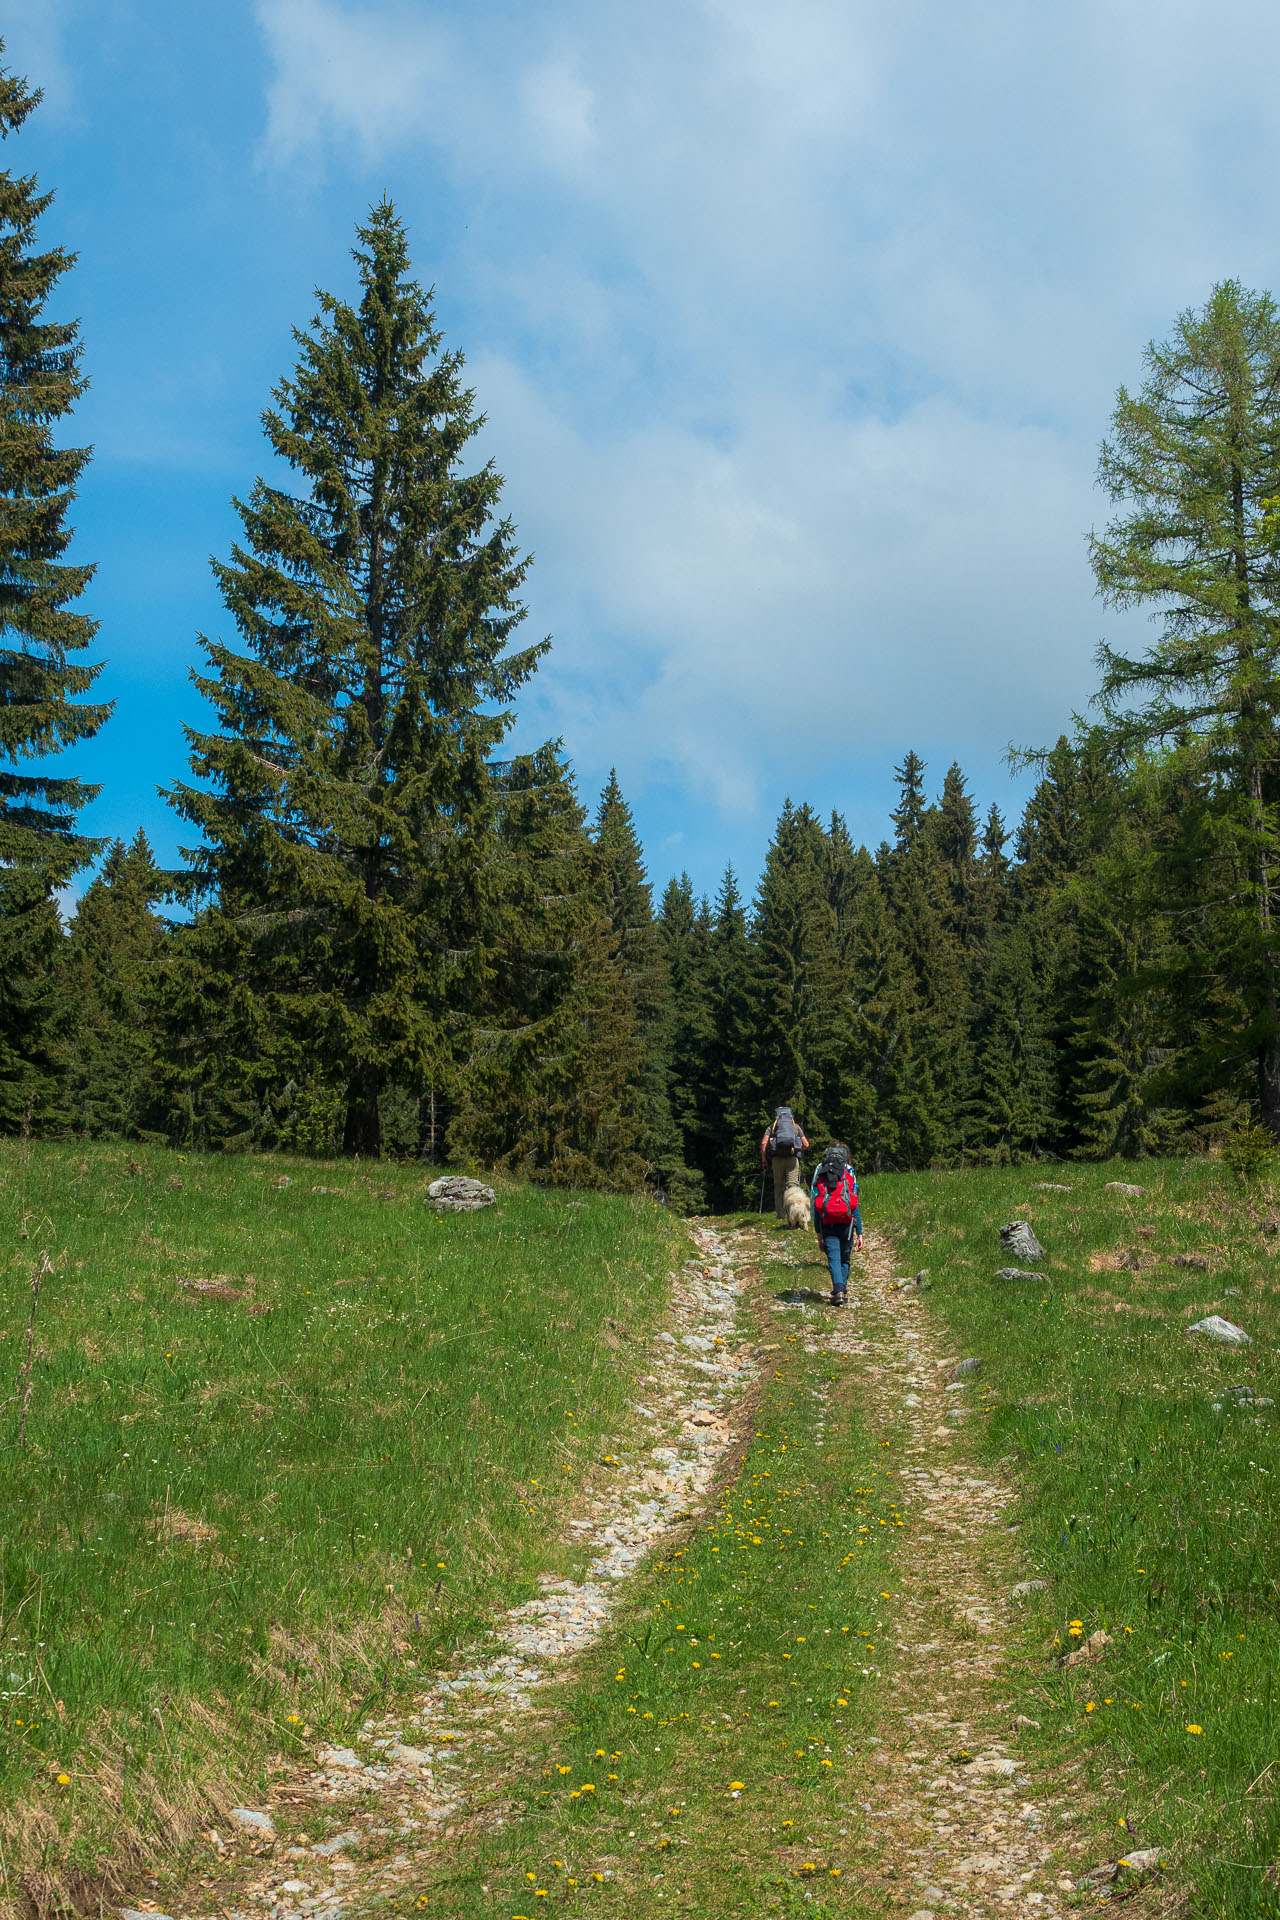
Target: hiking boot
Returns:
[[837, 1296]]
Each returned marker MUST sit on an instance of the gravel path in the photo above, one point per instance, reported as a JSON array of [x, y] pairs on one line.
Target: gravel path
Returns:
[[948, 1822], [951, 1826]]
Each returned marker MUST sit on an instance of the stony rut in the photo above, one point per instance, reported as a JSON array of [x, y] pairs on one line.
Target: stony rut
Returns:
[[950, 1826]]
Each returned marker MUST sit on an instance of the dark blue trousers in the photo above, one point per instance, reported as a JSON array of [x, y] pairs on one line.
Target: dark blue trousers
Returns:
[[838, 1247]]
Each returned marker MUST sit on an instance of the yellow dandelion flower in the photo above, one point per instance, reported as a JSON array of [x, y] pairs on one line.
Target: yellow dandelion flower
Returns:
[[735, 1786], [1193, 1728]]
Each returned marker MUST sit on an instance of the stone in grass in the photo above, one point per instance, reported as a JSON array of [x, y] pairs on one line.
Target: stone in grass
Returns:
[[1093, 1649], [1224, 1331], [989, 1765], [1130, 1866], [1052, 1186], [337, 1843], [1016, 1273], [963, 1368], [253, 1821], [1125, 1187], [1025, 1589], [456, 1194], [1018, 1239]]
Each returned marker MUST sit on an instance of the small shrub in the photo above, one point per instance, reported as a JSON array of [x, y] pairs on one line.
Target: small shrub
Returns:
[[1249, 1152]]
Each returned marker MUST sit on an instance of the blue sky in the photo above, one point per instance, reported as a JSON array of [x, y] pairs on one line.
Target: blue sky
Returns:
[[797, 328]]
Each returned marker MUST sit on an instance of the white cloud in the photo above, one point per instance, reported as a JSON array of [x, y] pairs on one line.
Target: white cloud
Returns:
[[35, 45], [798, 328], [364, 74]]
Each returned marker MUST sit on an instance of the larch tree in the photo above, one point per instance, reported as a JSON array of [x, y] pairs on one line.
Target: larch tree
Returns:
[[41, 640], [1192, 467], [346, 801]]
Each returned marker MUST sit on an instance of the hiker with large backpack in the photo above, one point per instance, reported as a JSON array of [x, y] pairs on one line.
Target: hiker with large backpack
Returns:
[[781, 1145], [837, 1218]]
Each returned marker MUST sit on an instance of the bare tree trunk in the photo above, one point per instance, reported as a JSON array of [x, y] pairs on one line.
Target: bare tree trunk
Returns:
[[362, 1130]]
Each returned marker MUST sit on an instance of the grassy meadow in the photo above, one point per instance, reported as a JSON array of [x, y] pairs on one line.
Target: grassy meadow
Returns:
[[289, 1434], [1149, 1514]]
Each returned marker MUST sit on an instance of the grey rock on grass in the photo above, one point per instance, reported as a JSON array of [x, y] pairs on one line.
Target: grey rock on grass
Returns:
[[1025, 1588], [1126, 1187], [456, 1194], [1052, 1186], [1018, 1239], [252, 1820], [1015, 1273], [337, 1843], [1222, 1330], [963, 1368]]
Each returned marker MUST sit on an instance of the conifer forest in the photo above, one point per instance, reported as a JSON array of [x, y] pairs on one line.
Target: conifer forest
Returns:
[[393, 936]]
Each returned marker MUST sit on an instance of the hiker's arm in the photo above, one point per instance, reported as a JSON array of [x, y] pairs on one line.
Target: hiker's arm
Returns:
[[764, 1148]]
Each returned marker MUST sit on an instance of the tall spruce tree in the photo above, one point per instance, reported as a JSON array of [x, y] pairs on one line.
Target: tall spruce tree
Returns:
[[926, 907], [886, 1106], [553, 1085], [684, 924], [733, 1103], [41, 677], [1192, 466], [1014, 1100], [114, 945], [796, 985], [347, 864], [645, 963]]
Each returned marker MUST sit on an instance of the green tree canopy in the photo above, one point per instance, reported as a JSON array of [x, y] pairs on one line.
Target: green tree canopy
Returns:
[[1192, 467], [347, 803]]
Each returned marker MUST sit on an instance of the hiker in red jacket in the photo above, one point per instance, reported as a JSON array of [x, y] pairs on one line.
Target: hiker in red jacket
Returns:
[[837, 1217]]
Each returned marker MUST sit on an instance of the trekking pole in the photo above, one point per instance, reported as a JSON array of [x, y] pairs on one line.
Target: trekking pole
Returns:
[[763, 1177]]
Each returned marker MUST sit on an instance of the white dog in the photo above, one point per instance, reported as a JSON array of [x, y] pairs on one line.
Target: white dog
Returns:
[[795, 1203]]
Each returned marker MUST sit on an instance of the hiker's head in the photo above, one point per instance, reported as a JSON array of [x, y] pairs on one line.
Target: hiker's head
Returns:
[[837, 1151]]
